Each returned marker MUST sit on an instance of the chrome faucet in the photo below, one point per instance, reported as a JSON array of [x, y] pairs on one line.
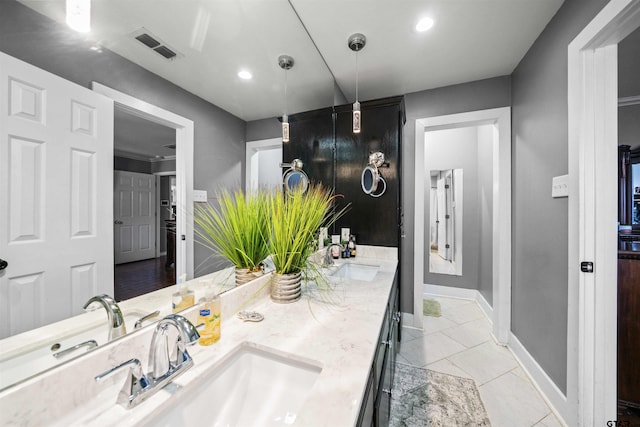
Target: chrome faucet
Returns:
[[161, 362], [163, 367], [114, 314], [328, 258]]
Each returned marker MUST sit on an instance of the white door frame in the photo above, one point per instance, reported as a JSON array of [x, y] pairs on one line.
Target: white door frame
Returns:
[[501, 118], [593, 141], [184, 167], [251, 163]]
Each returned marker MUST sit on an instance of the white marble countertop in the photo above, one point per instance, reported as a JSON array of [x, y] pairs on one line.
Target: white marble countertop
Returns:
[[339, 336]]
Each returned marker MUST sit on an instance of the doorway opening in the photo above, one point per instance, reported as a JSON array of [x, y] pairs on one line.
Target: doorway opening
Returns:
[[144, 205], [500, 121], [181, 129], [263, 160], [593, 201]]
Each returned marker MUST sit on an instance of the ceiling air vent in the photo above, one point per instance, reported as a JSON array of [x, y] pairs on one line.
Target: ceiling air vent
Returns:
[[153, 42], [147, 40], [166, 52]]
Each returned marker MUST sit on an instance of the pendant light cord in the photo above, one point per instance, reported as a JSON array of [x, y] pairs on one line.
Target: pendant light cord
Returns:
[[356, 76], [284, 113]]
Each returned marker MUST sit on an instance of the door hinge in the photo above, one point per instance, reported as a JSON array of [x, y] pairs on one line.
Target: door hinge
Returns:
[[183, 237], [447, 246], [446, 186], [586, 267], [447, 216]]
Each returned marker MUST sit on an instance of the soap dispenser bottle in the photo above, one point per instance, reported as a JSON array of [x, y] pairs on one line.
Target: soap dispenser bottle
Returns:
[[352, 246], [184, 297], [209, 315]]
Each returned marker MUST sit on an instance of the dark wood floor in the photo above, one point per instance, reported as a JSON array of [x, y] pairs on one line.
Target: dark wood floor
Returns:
[[137, 278]]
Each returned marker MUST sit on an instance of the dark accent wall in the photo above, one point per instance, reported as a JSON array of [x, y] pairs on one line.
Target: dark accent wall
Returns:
[[333, 155], [219, 136], [540, 152], [131, 165], [478, 95]]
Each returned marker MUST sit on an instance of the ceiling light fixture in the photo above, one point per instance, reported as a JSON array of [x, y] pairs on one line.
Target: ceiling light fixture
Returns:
[[286, 63], [356, 43], [79, 15], [424, 24], [245, 75]]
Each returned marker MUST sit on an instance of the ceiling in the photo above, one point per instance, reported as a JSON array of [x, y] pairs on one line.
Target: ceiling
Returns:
[[137, 138], [471, 40]]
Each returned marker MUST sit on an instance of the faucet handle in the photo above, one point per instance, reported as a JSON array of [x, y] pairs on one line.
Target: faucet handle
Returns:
[[135, 383]]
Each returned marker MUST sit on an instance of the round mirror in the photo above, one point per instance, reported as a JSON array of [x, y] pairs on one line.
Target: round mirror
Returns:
[[369, 180], [295, 179]]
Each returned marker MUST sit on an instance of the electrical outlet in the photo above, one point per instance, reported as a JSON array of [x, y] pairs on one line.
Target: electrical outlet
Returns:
[[199, 195], [560, 186]]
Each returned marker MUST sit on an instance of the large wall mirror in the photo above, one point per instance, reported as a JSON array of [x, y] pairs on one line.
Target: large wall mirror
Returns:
[[445, 222], [35, 32]]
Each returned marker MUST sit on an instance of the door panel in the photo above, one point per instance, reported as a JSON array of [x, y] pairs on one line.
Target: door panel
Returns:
[[56, 141], [134, 216]]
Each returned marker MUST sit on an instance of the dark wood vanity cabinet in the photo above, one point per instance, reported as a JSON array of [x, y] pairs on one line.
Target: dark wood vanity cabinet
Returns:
[[629, 328], [376, 405]]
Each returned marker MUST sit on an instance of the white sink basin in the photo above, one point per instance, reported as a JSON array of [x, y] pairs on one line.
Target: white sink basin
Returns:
[[249, 387], [39, 357], [355, 271]]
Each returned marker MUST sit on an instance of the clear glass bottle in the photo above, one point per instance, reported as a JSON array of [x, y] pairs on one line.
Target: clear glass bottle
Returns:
[[209, 314]]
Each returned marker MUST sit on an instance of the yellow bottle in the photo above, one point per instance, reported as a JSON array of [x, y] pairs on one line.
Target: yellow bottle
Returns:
[[182, 299], [209, 314]]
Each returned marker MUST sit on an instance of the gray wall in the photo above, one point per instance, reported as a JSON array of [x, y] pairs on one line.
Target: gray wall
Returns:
[[539, 240], [263, 129], [479, 95], [629, 65], [219, 136], [629, 125]]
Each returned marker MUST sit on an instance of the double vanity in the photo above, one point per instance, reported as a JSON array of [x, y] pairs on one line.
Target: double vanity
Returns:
[[324, 360]]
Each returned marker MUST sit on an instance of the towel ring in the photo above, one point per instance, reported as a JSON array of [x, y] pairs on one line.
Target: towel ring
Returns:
[[370, 179]]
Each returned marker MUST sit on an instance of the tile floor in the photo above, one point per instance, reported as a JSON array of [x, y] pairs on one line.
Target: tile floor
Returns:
[[459, 343]]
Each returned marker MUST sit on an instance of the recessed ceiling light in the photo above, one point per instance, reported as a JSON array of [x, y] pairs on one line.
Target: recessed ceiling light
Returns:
[[424, 24], [245, 75]]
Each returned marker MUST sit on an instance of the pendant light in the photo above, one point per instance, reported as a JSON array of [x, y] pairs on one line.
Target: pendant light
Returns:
[[286, 63], [356, 43]]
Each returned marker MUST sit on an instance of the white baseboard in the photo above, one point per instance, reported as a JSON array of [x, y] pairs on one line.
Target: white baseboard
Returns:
[[449, 292], [549, 391], [551, 394], [460, 293]]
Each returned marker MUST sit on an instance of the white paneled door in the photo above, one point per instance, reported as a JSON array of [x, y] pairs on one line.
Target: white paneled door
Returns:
[[56, 205], [134, 216]]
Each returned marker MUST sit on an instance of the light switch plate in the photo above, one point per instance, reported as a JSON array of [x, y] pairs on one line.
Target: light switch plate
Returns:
[[560, 186], [199, 195]]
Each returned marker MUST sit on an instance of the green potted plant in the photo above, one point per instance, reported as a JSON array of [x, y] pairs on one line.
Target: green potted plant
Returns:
[[237, 230], [295, 221]]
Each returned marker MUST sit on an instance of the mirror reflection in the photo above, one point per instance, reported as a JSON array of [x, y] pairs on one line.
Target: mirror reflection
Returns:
[[35, 32], [445, 222]]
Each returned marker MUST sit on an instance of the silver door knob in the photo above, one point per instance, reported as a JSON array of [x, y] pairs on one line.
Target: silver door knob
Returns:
[[117, 221]]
